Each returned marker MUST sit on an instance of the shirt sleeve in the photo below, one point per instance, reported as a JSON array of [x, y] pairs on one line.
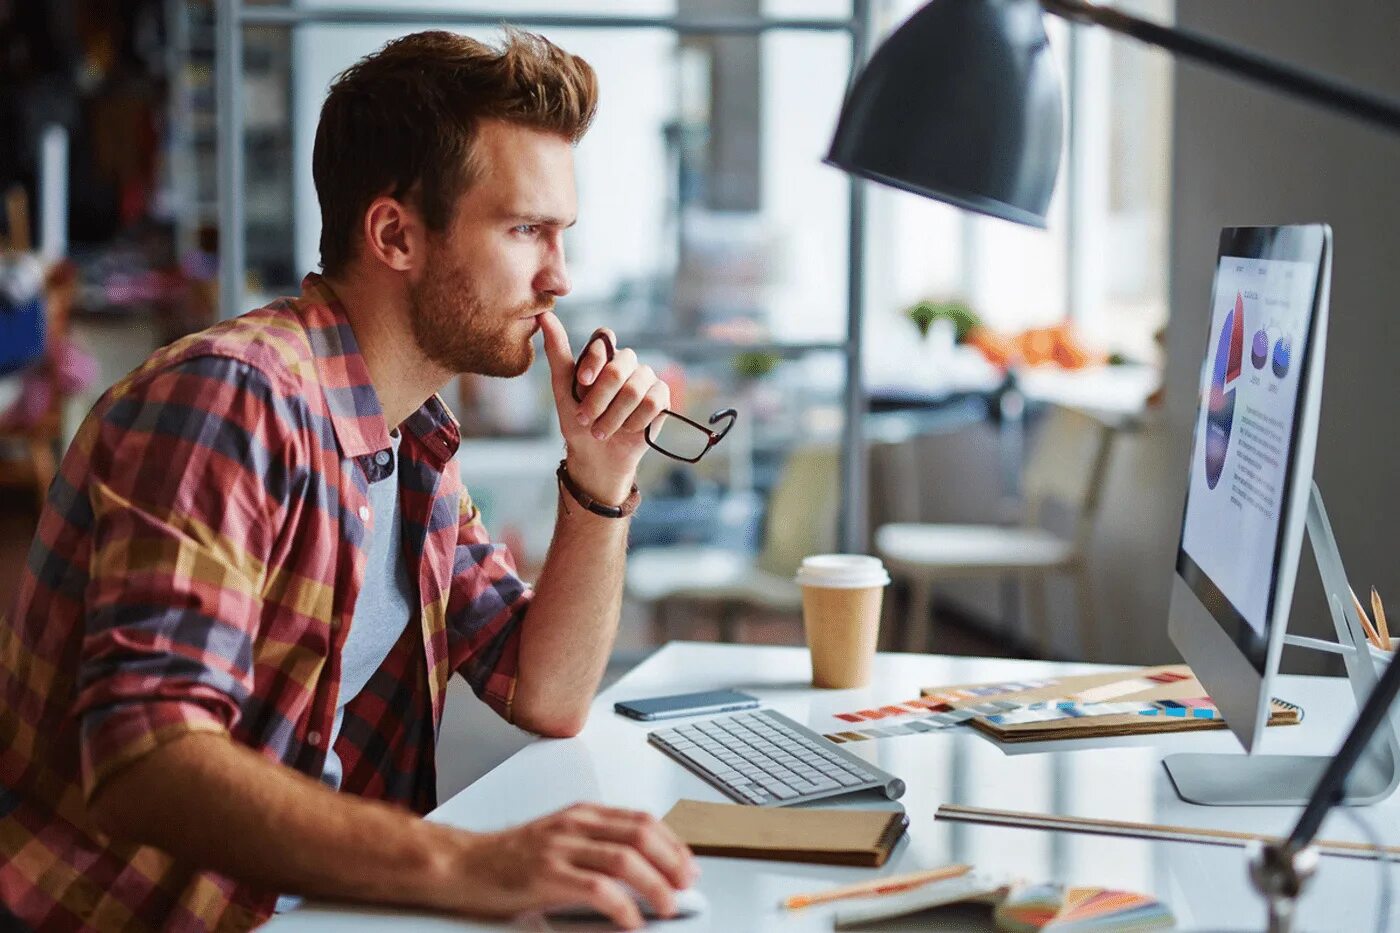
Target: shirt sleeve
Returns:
[[190, 480], [485, 608]]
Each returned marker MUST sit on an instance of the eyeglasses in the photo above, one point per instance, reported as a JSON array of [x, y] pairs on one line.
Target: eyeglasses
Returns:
[[679, 438]]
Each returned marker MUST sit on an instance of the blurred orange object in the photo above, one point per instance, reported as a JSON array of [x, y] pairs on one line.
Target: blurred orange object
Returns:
[[998, 350], [1056, 345]]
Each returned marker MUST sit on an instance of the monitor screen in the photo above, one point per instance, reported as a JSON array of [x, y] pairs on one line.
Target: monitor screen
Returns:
[[1255, 366]]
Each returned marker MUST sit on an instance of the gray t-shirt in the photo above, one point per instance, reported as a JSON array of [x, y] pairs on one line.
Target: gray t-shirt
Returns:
[[384, 606], [383, 609]]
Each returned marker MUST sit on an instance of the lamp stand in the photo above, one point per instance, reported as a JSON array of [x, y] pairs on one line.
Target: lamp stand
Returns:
[[1280, 873]]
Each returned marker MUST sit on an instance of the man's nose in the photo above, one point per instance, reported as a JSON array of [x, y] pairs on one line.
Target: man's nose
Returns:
[[554, 277]]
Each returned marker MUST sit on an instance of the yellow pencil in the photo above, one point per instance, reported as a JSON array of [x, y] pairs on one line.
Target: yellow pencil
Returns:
[[1371, 634], [891, 885], [1379, 610]]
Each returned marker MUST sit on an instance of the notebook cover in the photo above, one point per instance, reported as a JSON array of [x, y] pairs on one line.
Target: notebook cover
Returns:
[[833, 837], [978, 894], [1188, 687]]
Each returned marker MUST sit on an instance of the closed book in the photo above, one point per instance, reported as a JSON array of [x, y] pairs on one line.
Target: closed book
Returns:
[[832, 837]]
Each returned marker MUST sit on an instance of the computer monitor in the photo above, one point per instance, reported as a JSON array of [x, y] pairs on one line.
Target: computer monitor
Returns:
[[1251, 464]]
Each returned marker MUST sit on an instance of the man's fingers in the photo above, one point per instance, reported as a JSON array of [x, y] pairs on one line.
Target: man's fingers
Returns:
[[636, 403], [558, 353], [606, 386], [649, 836], [624, 863], [596, 357], [596, 890], [658, 397]]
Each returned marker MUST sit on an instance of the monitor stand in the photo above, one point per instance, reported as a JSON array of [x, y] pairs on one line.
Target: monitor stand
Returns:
[[1288, 780]]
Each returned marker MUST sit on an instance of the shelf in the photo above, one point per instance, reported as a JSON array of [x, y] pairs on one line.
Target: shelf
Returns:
[[420, 16], [693, 347]]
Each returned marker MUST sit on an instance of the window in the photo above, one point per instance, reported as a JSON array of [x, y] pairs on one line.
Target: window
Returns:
[[1102, 261]]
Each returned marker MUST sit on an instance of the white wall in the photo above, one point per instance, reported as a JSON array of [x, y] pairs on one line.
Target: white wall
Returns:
[[1245, 155]]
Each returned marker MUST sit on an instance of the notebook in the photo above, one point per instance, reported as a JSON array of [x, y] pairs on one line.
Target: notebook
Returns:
[[1166, 698], [833, 837]]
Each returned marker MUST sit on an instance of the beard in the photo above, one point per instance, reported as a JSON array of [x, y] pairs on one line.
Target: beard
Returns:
[[454, 328]]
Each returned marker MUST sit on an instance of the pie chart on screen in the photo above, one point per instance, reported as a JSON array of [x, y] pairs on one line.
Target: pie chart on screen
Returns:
[[1259, 349], [1283, 350], [1220, 411]]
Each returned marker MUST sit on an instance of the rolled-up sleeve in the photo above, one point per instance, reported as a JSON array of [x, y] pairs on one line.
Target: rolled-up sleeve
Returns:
[[484, 612], [191, 479]]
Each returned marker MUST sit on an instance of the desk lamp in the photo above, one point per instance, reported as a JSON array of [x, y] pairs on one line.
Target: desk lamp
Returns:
[[962, 104]]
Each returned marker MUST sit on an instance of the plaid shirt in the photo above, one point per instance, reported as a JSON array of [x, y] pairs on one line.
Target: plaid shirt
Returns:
[[195, 570]]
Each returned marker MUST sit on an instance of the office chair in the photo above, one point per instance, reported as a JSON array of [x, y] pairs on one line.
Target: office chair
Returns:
[[1067, 466], [801, 520]]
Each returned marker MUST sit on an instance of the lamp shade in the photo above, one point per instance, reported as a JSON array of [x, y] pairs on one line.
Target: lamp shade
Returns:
[[962, 103]]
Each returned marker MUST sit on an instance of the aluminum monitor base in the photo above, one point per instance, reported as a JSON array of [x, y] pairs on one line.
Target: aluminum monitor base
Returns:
[[1288, 780], [1268, 780]]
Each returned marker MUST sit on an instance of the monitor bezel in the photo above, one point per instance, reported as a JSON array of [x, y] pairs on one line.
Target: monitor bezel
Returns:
[[1299, 243]]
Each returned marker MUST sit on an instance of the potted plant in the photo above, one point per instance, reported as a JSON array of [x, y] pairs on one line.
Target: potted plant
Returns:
[[925, 313]]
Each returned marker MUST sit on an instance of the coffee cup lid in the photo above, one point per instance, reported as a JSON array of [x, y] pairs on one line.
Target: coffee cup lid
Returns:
[[842, 571]]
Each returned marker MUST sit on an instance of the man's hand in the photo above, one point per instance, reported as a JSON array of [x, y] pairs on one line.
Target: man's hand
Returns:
[[603, 434], [579, 856]]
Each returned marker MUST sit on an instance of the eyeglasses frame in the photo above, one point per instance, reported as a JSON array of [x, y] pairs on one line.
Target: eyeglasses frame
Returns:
[[712, 437]]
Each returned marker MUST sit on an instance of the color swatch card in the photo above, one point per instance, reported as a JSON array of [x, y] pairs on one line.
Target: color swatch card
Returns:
[[1015, 908], [931, 712], [1124, 702], [1072, 910], [1193, 708]]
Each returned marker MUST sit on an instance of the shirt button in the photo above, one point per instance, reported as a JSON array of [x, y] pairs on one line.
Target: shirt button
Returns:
[[382, 458], [364, 513], [313, 737]]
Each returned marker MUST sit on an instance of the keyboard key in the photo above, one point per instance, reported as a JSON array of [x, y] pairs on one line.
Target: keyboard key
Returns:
[[780, 790], [707, 761]]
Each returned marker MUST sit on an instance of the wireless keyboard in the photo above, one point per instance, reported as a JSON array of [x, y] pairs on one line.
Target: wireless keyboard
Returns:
[[765, 758]]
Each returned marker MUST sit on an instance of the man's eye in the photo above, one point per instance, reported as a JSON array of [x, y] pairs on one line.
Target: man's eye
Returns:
[[526, 228]]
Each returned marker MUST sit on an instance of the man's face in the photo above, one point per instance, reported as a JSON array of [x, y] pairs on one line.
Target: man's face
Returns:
[[499, 263]]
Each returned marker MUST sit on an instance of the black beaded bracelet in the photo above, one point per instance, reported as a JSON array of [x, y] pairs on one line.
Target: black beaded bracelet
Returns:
[[628, 506]]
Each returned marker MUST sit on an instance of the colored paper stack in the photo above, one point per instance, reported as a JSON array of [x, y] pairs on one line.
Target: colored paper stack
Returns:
[[1052, 907]]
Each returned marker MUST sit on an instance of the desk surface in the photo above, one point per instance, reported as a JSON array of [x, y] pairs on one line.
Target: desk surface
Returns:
[[1206, 886]]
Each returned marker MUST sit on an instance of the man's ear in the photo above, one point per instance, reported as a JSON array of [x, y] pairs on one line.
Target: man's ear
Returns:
[[394, 234]]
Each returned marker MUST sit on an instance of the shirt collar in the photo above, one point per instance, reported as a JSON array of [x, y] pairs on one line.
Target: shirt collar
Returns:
[[356, 415]]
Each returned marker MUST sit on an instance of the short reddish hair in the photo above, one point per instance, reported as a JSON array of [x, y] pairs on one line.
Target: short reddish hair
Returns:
[[402, 121]]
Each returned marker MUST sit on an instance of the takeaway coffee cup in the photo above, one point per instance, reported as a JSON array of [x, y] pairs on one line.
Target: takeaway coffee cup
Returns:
[[841, 595]]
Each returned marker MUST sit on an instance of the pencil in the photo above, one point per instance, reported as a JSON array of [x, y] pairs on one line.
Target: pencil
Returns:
[[891, 885], [1379, 610], [1371, 634]]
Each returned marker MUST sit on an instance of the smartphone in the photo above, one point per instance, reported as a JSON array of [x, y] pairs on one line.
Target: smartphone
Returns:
[[686, 704]]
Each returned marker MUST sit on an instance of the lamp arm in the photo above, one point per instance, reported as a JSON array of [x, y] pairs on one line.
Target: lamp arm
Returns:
[[1328, 92], [1331, 787]]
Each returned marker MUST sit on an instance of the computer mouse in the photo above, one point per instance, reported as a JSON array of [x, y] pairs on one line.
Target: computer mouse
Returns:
[[689, 903]]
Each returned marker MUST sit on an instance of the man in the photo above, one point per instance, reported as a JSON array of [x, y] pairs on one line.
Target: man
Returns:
[[258, 567]]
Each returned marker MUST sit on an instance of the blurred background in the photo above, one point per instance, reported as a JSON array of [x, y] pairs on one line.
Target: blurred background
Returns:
[[712, 238]]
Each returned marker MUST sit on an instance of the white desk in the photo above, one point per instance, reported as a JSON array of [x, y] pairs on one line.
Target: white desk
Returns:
[[1206, 886]]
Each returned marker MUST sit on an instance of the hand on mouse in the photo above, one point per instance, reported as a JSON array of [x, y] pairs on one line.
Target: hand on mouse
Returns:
[[586, 854]]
